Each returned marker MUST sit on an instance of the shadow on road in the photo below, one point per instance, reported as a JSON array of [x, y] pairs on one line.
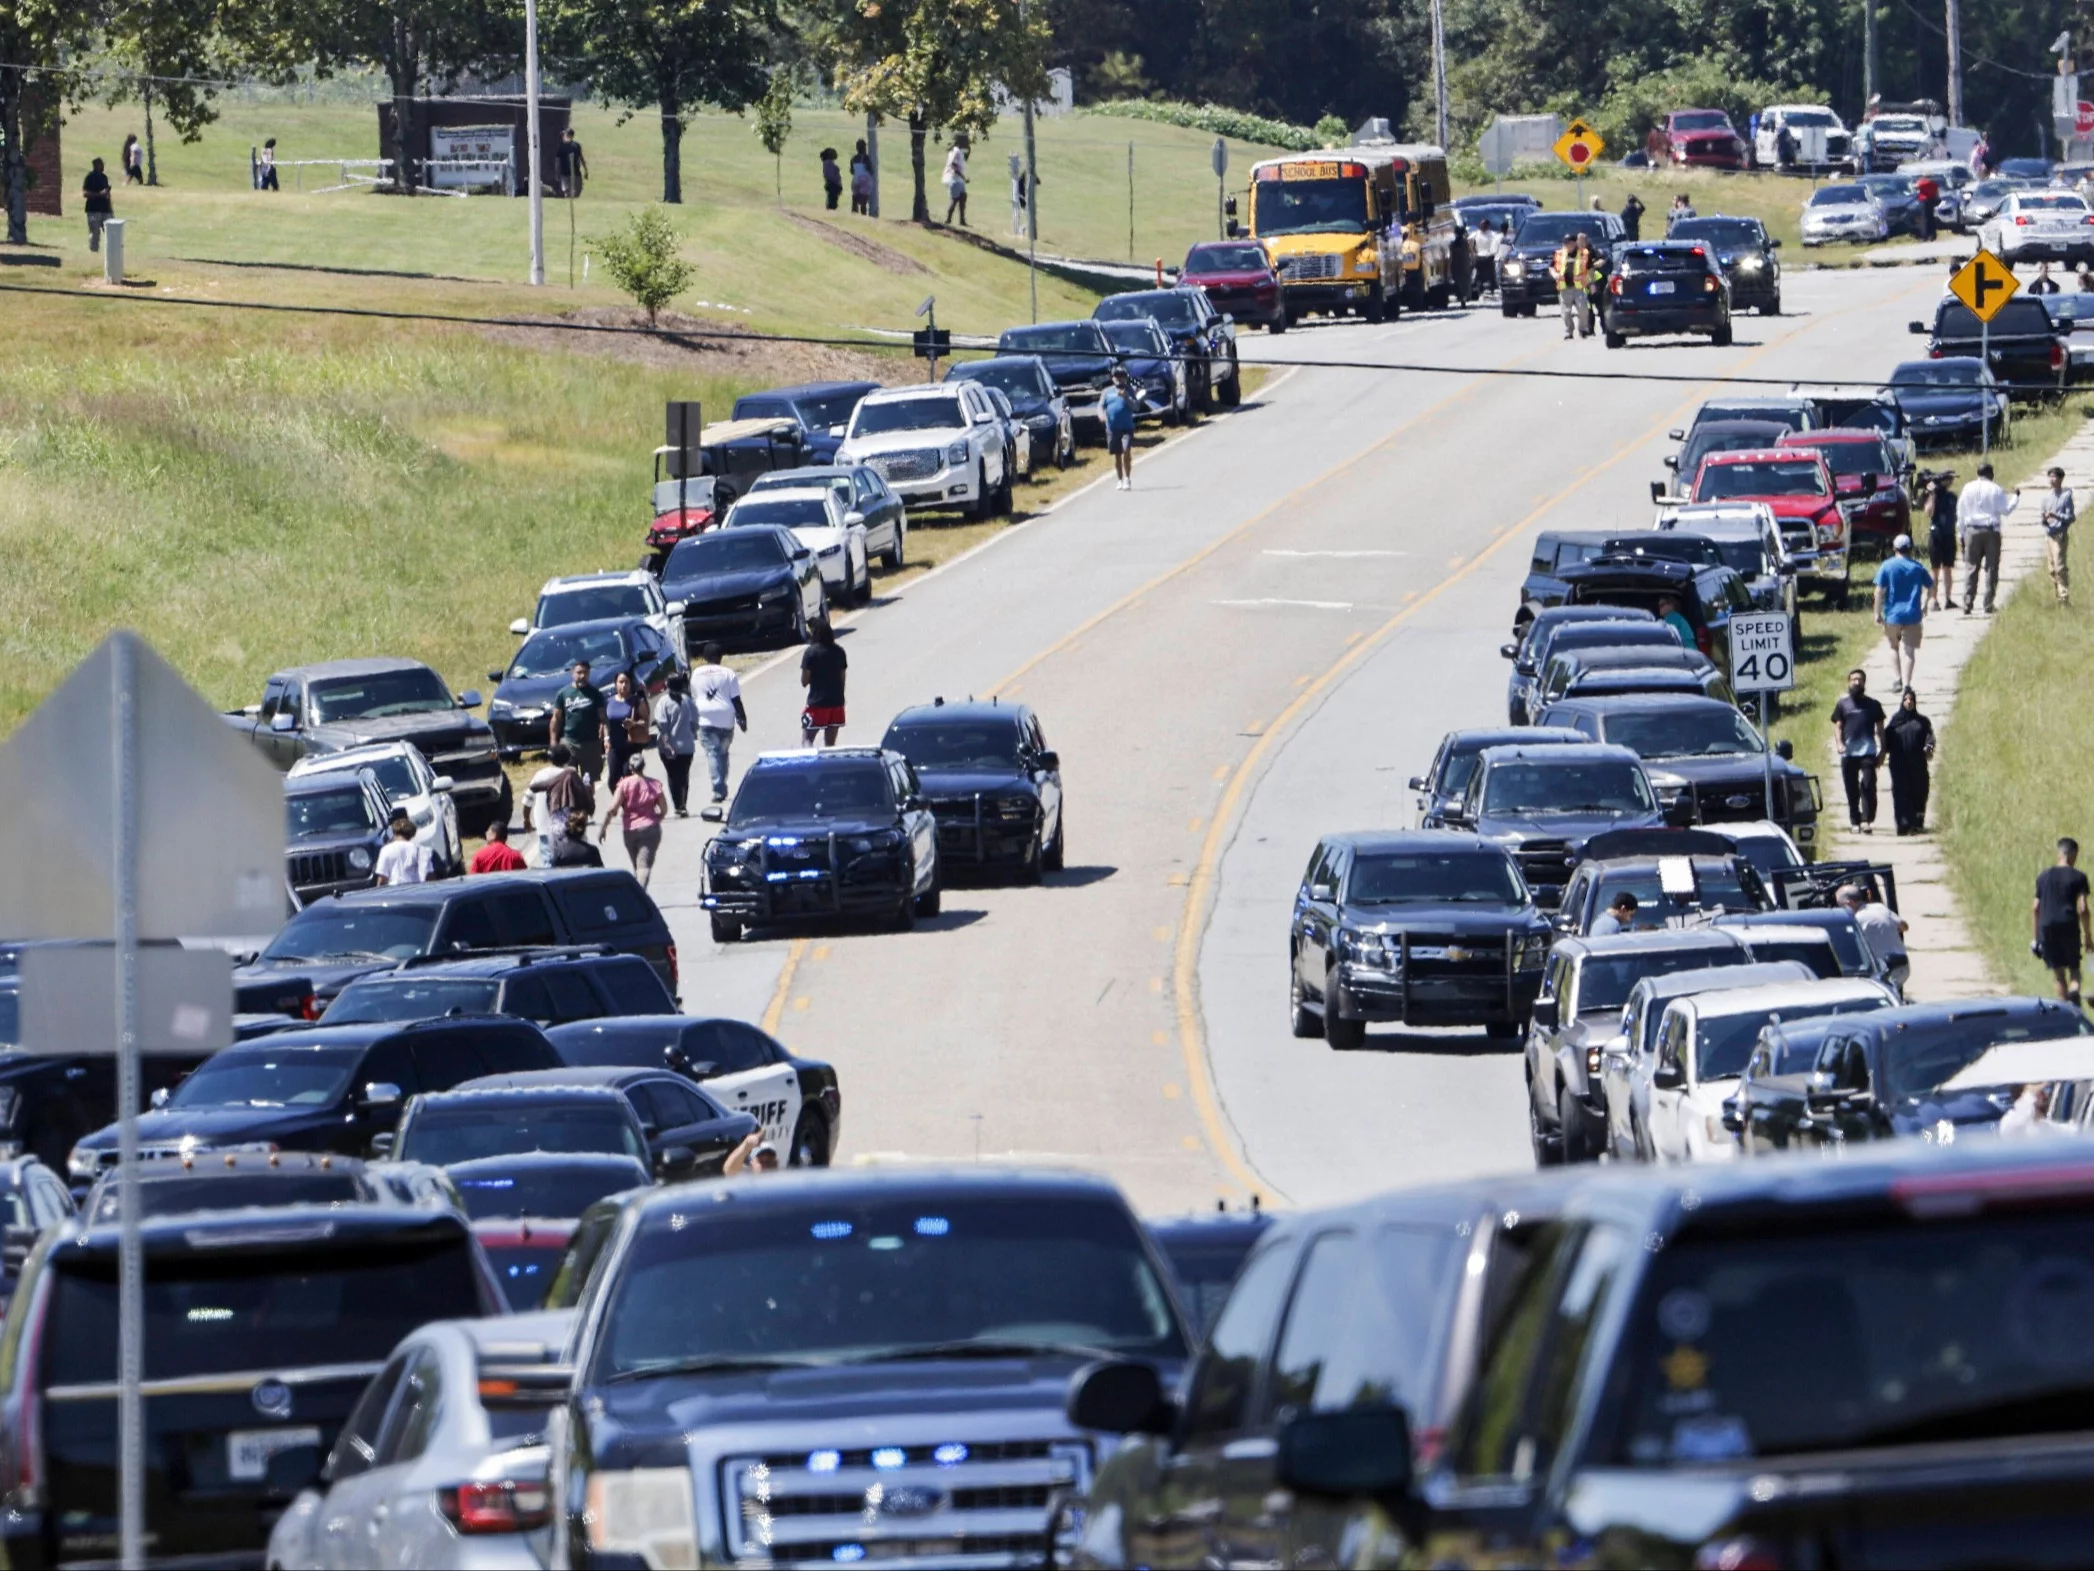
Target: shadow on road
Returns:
[[1079, 877], [1438, 1044]]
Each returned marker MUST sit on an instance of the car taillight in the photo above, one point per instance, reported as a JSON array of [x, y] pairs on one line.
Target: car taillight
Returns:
[[313, 1007], [675, 975], [2057, 356], [1708, 286], [1737, 1554], [1614, 285], [1933, 354], [2020, 222], [1701, 640], [26, 1477], [505, 1507]]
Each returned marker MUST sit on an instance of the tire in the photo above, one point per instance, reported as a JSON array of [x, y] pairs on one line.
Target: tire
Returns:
[[892, 559], [810, 1142], [1303, 1022], [1502, 1031], [1055, 856], [799, 632], [984, 501], [1772, 307], [1721, 338], [1548, 1152], [1571, 1132], [726, 929], [1232, 390], [1006, 503], [1439, 297], [1527, 310], [862, 594], [1279, 324], [1031, 870], [928, 904], [1509, 311], [1202, 401], [1613, 340], [1342, 1034], [1065, 453], [904, 919]]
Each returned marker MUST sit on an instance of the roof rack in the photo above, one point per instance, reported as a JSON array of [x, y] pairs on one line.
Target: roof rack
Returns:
[[524, 952]]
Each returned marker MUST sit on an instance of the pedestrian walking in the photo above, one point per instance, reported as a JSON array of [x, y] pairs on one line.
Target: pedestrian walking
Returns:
[[832, 179], [265, 167], [956, 181], [2059, 514], [1882, 929], [717, 713], [1980, 511], [577, 719], [1572, 265], [1902, 587], [861, 180], [570, 164], [1940, 503], [1118, 407], [498, 855], [2043, 283], [2063, 929], [133, 160], [403, 859], [554, 795], [1928, 190], [822, 671], [1632, 217], [1619, 917], [637, 805], [1857, 725], [625, 727], [676, 737], [94, 196], [1908, 752], [573, 849], [1785, 147]]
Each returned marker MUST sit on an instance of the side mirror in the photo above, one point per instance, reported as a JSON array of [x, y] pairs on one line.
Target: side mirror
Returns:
[[1417, 782], [1509, 651], [442, 784], [1681, 814], [915, 804], [281, 723], [470, 698], [158, 1099], [1234, 230], [1051, 761], [1119, 1397], [1229, 206], [853, 518], [1677, 436], [1657, 492], [1731, 1119], [1773, 245], [1669, 1077], [1319, 891], [674, 608], [252, 711], [1870, 480], [382, 1144], [1784, 748], [380, 1093], [1672, 462], [520, 626], [674, 1159], [1545, 1013], [495, 677], [1915, 327], [1361, 1453]]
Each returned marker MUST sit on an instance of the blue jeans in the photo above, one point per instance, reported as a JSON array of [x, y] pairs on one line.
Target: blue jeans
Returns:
[[713, 741]]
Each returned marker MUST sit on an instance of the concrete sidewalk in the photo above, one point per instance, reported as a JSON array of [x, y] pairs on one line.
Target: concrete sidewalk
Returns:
[[1946, 962]]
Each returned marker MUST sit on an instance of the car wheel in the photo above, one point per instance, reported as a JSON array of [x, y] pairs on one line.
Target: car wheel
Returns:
[[810, 1142], [1509, 311], [1773, 306], [1721, 337], [726, 929], [1613, 340], [928, 903], [1547, 1151], [1571, 1132], [1303, 1021], [1053, 857], [1065, 451], [799, 624], [1030, 870], [1280, 323], [1232, 390], [1006, 502], [1502, 1031], [984, 499], [1342, 1034], [1202, 399], [892, 559]]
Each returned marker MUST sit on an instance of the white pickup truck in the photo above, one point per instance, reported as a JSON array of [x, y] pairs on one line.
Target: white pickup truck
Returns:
[[941, 446], [1819, 139]]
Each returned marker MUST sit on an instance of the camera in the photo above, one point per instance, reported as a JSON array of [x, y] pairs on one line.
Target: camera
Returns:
[[1928, 477]]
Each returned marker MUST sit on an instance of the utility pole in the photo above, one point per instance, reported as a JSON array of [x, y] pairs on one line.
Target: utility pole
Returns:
[[1439, 72], [872, 157], [1868, 53], [537, 191], [1032, 214], [1955, 36]]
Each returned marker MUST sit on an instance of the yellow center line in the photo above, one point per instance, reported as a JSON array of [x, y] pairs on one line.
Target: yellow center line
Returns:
[[786, 973]]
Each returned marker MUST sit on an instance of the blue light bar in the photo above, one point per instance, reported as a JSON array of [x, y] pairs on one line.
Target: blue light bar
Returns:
[[889, 1456], [824, 1461], [951, 1455], [932, 1226], [831, 1230]]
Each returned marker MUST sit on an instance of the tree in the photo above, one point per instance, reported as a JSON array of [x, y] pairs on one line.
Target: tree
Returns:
[[774, 121], [33, 33], [172, 53], [644, 259], [674, 54], [933, 64]]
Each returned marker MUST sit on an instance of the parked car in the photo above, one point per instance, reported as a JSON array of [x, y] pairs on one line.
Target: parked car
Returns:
[[1525, 279], [818, 518], [1837, 923], [746, 588], [520, 713], [32, 1200], [1951, 401], [1079, 359], [1898, 196], [1886, 140], [1698, 139], [1541, 804], [1203, 338], [1797, 485], [524, 1208], [1157, 376], [1036, 402], [1446, 778], [2041, 226], [2035, 171], [1793, 410], [936, 446], [1534, 635], [1844, 213], [1869, 481], [1678, 877], [1863, 409], [1745, 252], [1748, 538], [341, 704], [1613, 673], [546, 987], [862, 492], [1705, 596], [410, 786], [991, 781], [1623, 638], [605, 597], [236, 1181], [2027, 351], [334, 828], [1554, 551], [653, 1116], [1980, 201], [2074, 315], [1819, 141], [1239, 281], [1017, 440], [821, 410]]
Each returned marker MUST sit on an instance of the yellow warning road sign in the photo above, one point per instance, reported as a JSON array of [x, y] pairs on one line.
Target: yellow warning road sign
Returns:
[[1984, 283], [1580, 146]]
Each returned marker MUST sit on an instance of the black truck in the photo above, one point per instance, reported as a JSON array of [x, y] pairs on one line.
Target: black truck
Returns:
[[2028, 351]]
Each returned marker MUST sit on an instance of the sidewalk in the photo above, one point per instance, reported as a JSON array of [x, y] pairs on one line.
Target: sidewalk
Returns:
[[1945, 963]]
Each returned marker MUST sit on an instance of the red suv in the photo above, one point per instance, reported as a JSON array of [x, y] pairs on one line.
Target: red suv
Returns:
[[1239, 280], [1797, 484], [1697, 139], [1865, 473]]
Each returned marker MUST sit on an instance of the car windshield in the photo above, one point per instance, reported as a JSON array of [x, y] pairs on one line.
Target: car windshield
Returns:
[[1925, 1056], [923, 412], [332, 931], [1433, 878], [310, 815], [1727, 234], [410, 692], [1071, 338], [1746, 558], [1720, 481], [1887, 185], [1845, 936], [1794, 416], [594, 604], [800, 791], [213, 1312], [395, 776], [1226, 259], [1840, 196], [1299, 207], [1932, 1327], [391, 998], [1586, 785], [290, 1077], [1552, 229], [442, 1133], [946, 745], [1692, 731], [1769, 854], [788, 512], [1701, 120], [1873, 414], [1938, 373], [1717, 887], [1605, 981], [1672, 546], [1722, 1043], [1165, 306], [1204, 1273], [554, 653], [1015, 379], [2050, 202], [1139, 337], [2075, 307], [828, 411], [1852, 458], [2023, 317], [232, 1192], [723, 552], [543, 1190], [858, 1281], [1810, 119]]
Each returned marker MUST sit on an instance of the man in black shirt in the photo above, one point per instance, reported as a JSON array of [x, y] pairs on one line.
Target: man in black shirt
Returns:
[[2063, 927], [1857, 723], [822, 670], [572, 166], [94, 192]]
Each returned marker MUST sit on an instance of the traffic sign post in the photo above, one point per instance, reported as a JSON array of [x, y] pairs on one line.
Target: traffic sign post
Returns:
[[1580, 147], [2083, 118], [1984, 284], [1763, 661]]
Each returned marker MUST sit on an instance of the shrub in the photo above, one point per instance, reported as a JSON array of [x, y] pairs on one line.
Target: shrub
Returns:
[[1212, 117], [643, 260]]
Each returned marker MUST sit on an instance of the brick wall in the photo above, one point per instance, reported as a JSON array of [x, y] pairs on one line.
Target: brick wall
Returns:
[[46, 177]]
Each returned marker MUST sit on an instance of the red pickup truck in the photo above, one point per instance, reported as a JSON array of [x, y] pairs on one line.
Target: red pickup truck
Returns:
[[1697, 139], [1797, 484]]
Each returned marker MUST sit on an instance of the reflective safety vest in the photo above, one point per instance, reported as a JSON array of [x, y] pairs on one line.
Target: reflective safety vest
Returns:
[[1570, 272]]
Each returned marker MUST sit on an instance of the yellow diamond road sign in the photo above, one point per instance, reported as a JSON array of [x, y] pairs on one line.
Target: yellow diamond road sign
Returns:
[[1580, 146], [1984, 283]]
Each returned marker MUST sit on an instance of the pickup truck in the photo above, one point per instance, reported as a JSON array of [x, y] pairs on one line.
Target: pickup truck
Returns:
[[2026, 349], [341, 704]]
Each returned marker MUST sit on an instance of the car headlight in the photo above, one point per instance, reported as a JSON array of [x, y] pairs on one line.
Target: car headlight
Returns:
[[423, 815], [1367, 949], [501, 709], [1515, 268], [775, 594], [831, 550], [1670, 787], [957, 453], [1749, 264], [1532, 952], [83, 1165], [646, 1512], [1015, 807], [360, 859], [1041, 422]]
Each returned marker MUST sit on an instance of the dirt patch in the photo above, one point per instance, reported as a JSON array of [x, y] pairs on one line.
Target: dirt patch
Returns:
[[881, 256], [724, 347]]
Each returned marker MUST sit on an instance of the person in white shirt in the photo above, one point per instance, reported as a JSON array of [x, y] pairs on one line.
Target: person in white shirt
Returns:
[[1882, 929], [716, 696], [404, 860], [956, 181], [1980, 510]]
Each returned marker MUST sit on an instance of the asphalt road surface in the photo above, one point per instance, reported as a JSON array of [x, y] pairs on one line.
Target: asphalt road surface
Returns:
[[1258, 644]]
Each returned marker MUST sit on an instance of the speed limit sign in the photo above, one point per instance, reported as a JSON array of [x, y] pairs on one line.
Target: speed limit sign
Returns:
[[1762, 657]]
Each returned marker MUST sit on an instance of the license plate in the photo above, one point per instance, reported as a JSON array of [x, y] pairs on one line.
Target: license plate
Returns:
[[247, 1451], [1662, 287]]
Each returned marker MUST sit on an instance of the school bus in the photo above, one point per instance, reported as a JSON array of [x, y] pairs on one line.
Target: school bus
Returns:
[[1363, 230]]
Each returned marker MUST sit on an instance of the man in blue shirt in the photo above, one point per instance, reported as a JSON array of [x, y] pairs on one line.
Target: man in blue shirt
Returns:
[[1118, 408], [1901, 604]]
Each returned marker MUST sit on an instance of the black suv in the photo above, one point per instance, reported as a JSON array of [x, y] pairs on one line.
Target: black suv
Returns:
[[1696, 877], [261, 1330], [994, 784], [1446, 779], [521, 710], [1665, 288], [1554, 551], [1200, 335], [1077, 355], [1745, 252], [332, 942], [1703, 754], [842, 832], [1543, 803], [684, 1133], [1526, 281], [1534, 639], [1424, 928], [924, 1348], [2028, 351], [334, 827], [550, 988], [324, 1088], [1706, 596]]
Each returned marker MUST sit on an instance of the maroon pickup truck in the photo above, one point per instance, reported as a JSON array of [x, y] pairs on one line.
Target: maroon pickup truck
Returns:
[[1697, 139]]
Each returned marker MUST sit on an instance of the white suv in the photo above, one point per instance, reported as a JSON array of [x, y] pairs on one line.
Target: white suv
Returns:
[[940, 446], [594, 597]]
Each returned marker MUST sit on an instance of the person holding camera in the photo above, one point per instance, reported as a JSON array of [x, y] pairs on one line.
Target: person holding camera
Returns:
[[1940, 503]]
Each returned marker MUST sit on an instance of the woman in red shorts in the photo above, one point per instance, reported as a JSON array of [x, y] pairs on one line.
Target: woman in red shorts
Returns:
[[822, 670]]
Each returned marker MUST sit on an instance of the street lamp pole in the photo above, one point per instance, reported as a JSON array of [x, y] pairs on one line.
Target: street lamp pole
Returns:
[[537, 188], [1439, 72]]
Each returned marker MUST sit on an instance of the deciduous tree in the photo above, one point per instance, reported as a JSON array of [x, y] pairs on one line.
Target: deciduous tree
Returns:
[[34, 34]]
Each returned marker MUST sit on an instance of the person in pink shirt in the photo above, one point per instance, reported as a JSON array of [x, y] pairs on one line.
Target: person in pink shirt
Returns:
[[638, 803]]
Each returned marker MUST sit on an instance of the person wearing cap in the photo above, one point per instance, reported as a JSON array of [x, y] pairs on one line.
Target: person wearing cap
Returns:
[[1619, 917], [1902, 586], [1881, 928], [1980, 511], [2059, 513], [1118, 408]]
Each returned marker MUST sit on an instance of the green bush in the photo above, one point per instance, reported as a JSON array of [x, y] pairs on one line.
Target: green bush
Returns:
[[644, 260], [1332, 131], [1638, 102], [1212, 117]]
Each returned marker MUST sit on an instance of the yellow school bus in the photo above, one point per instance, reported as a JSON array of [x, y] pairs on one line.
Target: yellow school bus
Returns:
[[1362, 230]]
